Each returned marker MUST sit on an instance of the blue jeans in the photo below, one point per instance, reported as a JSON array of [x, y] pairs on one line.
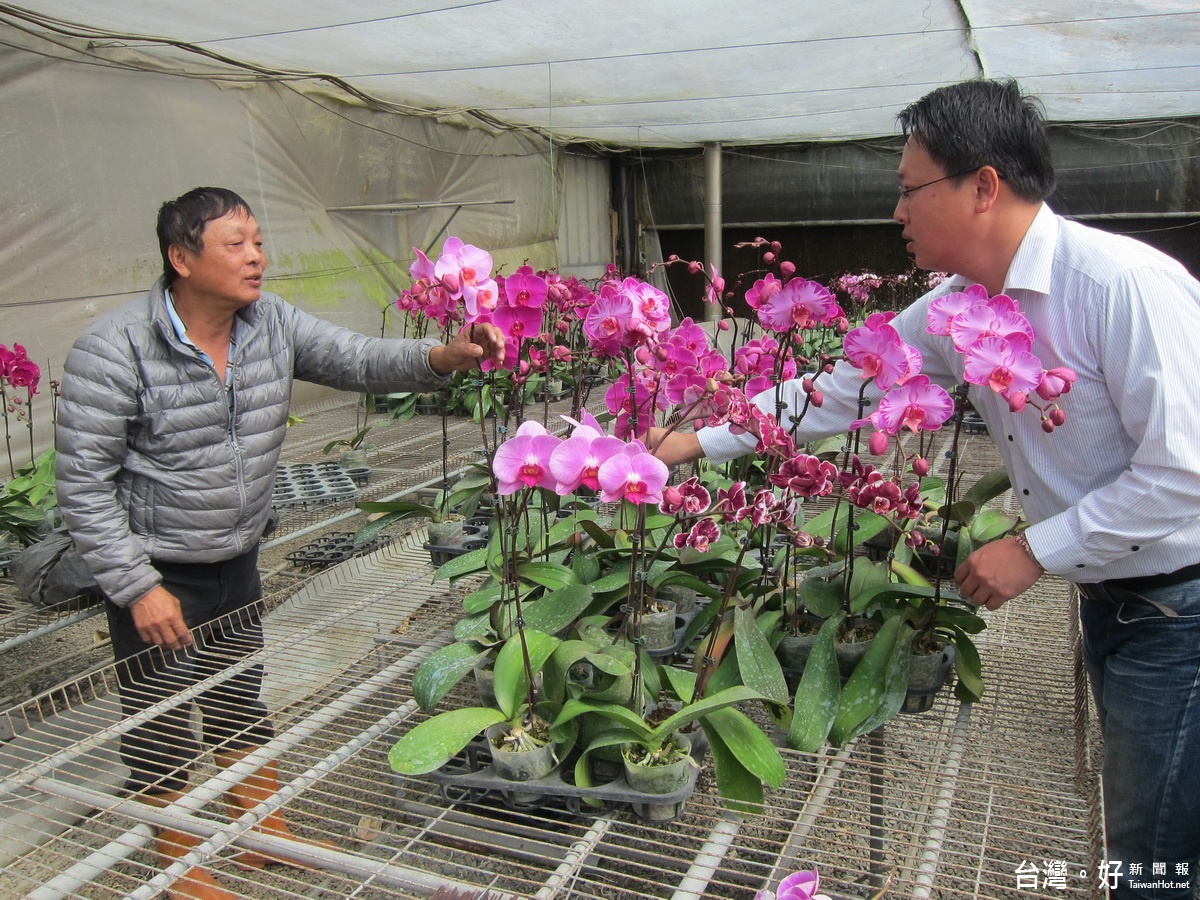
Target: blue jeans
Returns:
[[1144, 668]]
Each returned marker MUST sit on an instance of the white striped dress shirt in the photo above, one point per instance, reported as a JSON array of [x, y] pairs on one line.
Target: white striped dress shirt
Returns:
[[1115, 491]]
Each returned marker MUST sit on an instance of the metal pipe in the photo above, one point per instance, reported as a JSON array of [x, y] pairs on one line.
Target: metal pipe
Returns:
[[575, 857], [177, 816], [712, 218], [940, 814], [706, 862], [51, 627], [823, 787]]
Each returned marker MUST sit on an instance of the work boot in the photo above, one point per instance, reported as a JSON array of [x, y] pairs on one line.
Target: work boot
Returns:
[[169, 844], [253, 790]]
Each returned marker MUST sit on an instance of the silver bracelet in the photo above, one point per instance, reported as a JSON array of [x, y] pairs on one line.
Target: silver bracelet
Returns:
[[1023, 543]]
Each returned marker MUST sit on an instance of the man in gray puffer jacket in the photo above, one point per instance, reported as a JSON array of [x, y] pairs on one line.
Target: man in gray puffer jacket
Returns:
[[171, 420]]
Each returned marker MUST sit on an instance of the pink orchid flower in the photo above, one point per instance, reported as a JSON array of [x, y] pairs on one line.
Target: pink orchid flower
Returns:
[[918, 405], [806, 476], [577, 460], [982, 320], [523, 461], [993, 362], [797, 886], [943, 309], [763, 290], [801, 304], [1056, 382], [607, 321], [462, 264], [880, 353], [634, 474]]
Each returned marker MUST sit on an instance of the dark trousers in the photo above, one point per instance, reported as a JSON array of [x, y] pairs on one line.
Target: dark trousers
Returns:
[[222, 606]]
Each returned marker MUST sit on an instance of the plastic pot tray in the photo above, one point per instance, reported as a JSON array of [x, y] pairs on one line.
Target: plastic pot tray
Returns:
[[304, 485], [468, 778], [334, 548], [474, 537]]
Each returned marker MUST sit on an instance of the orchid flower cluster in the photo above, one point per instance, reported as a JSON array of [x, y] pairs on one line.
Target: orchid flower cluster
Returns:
[[19, 380], [540, 313]]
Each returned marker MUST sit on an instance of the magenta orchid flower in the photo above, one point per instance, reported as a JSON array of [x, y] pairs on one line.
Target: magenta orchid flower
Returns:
[[699, 537], [526, 288], [918, 405], [806, 476], [634, 474], [993, 362], [690, 498], [762, 291], [523, 461], [607, 321]]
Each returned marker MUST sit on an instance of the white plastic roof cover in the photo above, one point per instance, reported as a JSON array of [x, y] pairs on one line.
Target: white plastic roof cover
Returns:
[[664, 73]]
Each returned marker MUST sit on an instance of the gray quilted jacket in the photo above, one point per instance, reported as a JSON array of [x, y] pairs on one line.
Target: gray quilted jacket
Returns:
[[153, 460]]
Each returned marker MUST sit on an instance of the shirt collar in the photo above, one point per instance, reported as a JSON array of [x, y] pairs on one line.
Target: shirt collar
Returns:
[[176, 322], [1031, 266]]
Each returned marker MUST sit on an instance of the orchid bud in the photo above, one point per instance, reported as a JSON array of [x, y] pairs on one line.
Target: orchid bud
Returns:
[[841, 324], [695, 267], [808, 385], [642, 355], [1047, 426], [723, 325], [450, 282], [768, 257], [816, 398], [673, 257], [920, 467], [562, 326], [787, 269], [1058, 415], [776, 246], [711, 386], [718, 284], [827, 368], [878, 443], [523, 367], [1016, 401], [661, 353]]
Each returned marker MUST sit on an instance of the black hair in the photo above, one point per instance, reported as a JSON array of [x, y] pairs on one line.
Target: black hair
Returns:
[[979, 123], [182, 221]]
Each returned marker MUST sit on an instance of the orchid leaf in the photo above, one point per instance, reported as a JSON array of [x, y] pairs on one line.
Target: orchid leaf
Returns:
[[755, 751], [549, 575], [865, 688], [968, 667], [759, 668], [990, 486], [557, 610], [432, 743], [991, 524], [512, 683], [819, 692], [442, 670], [467, 564], [741, 790]]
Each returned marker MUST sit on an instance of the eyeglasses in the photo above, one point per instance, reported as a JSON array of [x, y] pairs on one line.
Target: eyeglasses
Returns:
[[905, 192]]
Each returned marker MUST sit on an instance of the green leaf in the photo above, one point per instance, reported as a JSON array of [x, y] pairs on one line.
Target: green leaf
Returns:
[[990, 486], [968, 667], [754, 749], [432, 743], [821, 591], [819, 692], [866, 525], [623, 716], [467, 564], [865, 688], [512, 683], [759, 668], [991, 524], [556, 611], [697, 709], [482, 599], [741, 790], [896, 684], [476, 627], [442, 670], [547, 574]]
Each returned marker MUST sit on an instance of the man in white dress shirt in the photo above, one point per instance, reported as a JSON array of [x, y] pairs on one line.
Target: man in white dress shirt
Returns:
[[1114, 495]]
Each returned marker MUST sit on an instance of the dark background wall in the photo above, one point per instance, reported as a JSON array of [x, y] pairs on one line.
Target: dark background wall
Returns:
[[830, 205]]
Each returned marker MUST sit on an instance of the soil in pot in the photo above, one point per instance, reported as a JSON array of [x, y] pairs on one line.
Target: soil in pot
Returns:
[[684, 598]]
